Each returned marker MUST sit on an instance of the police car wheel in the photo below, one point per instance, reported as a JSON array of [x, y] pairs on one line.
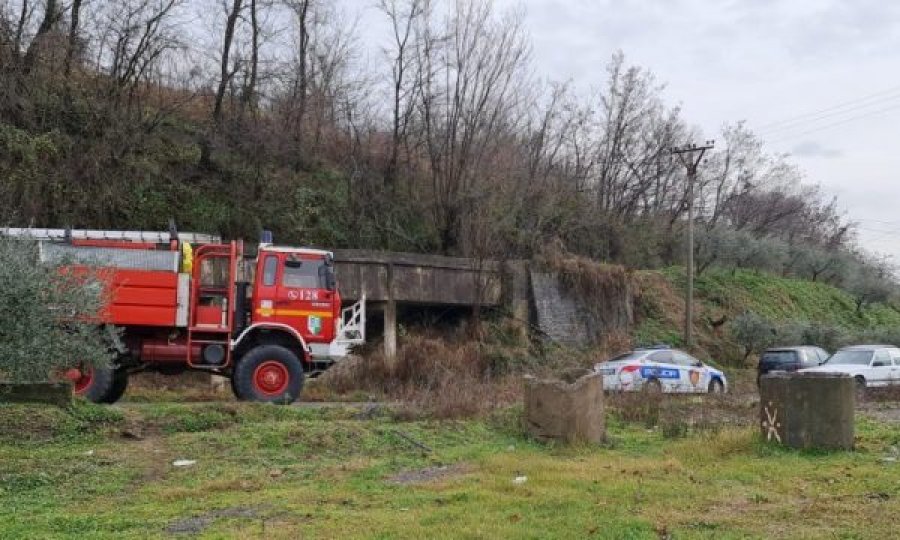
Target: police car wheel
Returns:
[[653, 386], [716, 386]]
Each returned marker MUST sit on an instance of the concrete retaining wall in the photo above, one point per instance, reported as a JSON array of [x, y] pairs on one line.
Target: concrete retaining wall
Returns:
[[59, 394], [558, 314]]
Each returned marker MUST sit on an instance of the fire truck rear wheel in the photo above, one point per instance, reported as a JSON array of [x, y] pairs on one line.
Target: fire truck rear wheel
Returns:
[[101, 384], [268, 373], [120, 383]]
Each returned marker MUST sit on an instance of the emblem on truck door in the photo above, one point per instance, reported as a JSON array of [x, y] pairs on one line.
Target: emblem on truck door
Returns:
[[314, 325]]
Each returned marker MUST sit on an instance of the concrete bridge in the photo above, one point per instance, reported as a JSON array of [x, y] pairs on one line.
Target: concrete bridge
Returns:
[[532, 297], [389, 278]]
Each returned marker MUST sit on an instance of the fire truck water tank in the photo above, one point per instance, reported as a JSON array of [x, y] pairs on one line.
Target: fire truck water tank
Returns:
[[164, 352]]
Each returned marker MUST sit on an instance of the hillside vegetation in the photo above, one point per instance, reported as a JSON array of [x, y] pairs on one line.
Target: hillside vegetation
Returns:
[[444, 141], [438, 137], [790, 304]]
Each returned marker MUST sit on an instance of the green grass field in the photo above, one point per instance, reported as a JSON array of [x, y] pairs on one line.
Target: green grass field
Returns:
[[286, 472]]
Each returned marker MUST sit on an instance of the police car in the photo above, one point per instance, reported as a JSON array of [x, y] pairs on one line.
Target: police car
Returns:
[[660, 370]]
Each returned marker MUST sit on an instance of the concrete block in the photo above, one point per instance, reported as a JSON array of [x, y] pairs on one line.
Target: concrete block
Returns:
[[568, 409], [808, 410], [57, 393]]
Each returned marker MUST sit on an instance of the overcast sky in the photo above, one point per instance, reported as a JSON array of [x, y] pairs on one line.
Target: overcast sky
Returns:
[[764, 61]]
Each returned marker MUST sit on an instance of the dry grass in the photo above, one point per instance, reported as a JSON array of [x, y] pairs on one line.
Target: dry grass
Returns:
[[430, 377], [185, 387], [678, 414]]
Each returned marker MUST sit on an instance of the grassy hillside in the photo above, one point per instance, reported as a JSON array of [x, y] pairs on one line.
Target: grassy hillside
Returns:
[[722, 295]]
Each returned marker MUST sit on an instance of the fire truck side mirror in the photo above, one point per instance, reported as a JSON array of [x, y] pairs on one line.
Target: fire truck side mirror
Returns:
[[330, 279]]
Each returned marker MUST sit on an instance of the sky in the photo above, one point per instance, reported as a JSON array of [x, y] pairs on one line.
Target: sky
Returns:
[[819, 79]]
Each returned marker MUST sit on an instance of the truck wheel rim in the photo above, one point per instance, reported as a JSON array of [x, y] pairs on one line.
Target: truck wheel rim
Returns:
[[82, 380], [271, 378]]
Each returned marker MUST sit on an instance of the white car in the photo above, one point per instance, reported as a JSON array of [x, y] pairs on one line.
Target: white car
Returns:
[[660, 370], [872, 366]]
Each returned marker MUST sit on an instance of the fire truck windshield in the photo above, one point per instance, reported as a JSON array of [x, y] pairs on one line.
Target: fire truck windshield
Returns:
[[304, 274]]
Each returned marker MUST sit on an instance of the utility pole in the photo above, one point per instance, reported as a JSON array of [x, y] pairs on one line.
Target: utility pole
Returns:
[[690, 156]]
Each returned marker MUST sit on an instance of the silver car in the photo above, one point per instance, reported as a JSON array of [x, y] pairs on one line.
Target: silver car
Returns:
[[873, 366]]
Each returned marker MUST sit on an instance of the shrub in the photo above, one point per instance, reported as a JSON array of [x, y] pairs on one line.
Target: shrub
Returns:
[[46, 316], [752, 332], [869, 284], [829, 337]]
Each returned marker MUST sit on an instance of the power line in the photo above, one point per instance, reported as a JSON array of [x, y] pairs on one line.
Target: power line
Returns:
[[869, 97], [794, 124], [833, 124], [885, 231], [889, 222]]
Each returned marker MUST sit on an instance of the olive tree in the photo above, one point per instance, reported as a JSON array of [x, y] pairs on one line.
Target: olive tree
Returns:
[[870, 282], [752, 332], [47, 316]]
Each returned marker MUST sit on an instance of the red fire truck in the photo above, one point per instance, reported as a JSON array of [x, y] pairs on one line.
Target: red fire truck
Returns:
[[185, 301]]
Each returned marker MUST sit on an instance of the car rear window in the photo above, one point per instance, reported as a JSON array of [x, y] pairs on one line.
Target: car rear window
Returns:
[[778, 357]]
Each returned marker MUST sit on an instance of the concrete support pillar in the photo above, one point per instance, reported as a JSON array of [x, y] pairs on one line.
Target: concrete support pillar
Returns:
[[516, 295], [390, 332], [390, 320]]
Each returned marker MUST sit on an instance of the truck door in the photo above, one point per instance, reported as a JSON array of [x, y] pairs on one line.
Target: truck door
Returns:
[[303, 300]]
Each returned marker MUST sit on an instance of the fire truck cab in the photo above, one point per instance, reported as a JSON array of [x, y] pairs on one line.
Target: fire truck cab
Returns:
[[186, 301]]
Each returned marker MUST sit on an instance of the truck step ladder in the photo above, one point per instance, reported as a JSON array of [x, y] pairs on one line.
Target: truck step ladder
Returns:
[[206, 333]]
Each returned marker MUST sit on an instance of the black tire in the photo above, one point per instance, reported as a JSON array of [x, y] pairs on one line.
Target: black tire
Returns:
[[653, 386], [105, 385], [251, 383], [716, 387], [120, 383], [234, 390]]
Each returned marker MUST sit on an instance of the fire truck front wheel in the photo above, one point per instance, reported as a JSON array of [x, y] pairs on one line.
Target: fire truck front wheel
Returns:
[[268, 373]]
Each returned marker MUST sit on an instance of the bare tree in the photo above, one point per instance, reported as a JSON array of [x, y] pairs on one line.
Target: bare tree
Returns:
[[467, 99], [302, 10], [53, 12], [138, 34], [226, 71], [403, 17], [248, 97], [74, 17]]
